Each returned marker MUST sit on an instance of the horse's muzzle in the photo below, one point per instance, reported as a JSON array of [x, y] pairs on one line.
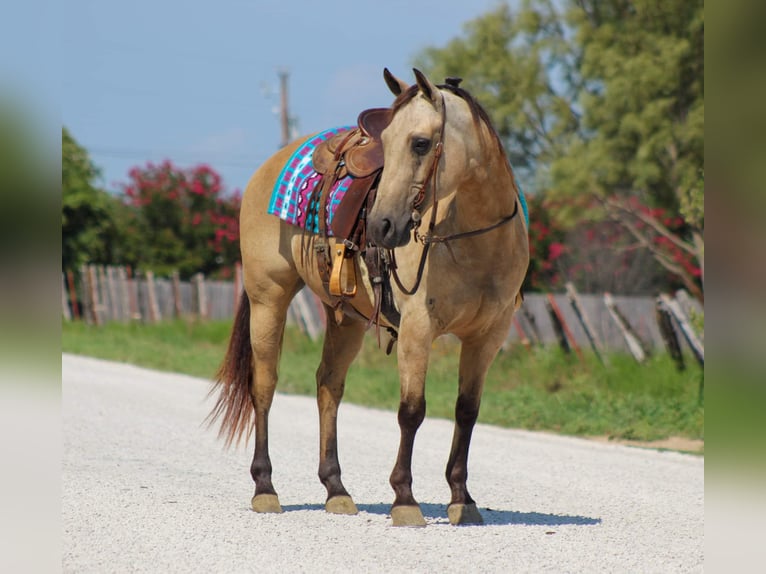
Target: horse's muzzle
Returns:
[[389, 233]]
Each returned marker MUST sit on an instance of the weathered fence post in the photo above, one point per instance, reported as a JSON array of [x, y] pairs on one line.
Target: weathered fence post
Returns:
[[154, 309], [590, 332], [561, 325], [114, 303], [87, 304], [124, 288], [177, 304], [532, 322], [73, 295], [200, 295], [65, 311], [133, 292], [103, 293], [558, 328], [522, 335], [95, 304], [665, 323], [686, 328], [635, 346]]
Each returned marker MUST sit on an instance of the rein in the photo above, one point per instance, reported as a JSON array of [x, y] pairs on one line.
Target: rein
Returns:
[[430, 238]]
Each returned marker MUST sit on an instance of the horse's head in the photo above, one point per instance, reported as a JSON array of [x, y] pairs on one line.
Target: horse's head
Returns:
[[412, 145]]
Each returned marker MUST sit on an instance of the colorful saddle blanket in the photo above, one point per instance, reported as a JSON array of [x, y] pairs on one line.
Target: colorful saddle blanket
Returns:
[[290, 197]]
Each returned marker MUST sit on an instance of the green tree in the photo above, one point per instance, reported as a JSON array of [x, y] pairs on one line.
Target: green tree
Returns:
[[88, 229], [523, 68], [601, 107], [643, 116]]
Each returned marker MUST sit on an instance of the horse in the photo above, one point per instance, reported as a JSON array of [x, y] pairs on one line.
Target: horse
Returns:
[[444, 164]]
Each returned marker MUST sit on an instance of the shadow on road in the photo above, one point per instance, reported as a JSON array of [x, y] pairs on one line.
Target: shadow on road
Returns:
[[491, 515]]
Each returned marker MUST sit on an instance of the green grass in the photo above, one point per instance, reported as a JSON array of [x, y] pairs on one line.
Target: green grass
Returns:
[[192, 348], [537, 390]]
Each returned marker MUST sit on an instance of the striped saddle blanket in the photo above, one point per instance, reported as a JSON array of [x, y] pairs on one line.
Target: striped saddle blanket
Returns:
[[292, 190]]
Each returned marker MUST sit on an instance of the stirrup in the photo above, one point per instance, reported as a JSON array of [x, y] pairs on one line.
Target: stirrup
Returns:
[[343, 278]]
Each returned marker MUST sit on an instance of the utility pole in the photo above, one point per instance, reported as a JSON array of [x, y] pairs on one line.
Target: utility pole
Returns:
[[283, 110]]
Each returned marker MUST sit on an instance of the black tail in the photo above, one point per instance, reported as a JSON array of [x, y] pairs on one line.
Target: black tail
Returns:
[[235, 376]]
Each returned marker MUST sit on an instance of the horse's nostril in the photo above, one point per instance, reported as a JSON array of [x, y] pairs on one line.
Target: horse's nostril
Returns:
[[385, 227]]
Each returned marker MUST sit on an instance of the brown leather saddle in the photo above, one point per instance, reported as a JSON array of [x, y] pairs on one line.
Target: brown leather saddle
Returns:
[[361, 149], [357, 153]]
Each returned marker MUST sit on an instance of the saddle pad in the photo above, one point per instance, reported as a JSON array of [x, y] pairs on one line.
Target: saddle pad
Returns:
[[524, 207], [293, 188]]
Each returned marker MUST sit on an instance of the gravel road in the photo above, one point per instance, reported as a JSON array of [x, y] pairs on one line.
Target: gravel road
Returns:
[[146, 488]]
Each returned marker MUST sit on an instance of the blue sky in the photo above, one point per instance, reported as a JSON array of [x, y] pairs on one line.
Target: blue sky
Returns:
[[197, 81]]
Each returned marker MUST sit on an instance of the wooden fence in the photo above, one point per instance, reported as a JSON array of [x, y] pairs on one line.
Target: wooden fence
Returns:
[[98, 294], [604, 322]]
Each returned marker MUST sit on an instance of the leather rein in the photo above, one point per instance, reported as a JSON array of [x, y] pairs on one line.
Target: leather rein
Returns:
[[430, 238]]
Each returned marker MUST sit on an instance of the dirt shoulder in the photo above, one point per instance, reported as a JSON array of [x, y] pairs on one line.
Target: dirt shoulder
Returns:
[[678, 443]]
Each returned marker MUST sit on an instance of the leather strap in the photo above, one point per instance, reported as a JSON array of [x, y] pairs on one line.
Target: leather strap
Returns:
[[343, 278], [430, 238]]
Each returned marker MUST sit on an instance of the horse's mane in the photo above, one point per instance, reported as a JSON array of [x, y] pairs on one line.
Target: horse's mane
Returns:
[[478, 113]]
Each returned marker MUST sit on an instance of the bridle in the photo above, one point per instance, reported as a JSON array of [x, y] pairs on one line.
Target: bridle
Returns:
[[429, 237]]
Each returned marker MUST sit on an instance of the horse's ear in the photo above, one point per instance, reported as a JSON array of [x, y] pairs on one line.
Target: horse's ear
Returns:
[[396, 85], [429, 90]]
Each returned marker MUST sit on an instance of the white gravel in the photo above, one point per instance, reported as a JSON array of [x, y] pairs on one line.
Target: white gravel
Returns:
[[147, 488]]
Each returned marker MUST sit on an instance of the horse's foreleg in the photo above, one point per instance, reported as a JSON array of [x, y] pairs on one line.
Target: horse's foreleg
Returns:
[[412, 354], [342, 343], [476, 356], [267, 325]]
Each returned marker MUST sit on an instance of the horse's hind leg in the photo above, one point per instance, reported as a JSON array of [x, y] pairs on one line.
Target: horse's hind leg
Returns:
[[267, 324], [476, 356], [342, 343]]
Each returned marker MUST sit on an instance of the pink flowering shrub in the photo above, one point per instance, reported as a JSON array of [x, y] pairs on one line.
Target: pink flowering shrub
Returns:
[[181, 219]]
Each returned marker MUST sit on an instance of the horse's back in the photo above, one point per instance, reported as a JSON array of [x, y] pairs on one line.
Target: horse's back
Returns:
[[265, 240], [255, 201]]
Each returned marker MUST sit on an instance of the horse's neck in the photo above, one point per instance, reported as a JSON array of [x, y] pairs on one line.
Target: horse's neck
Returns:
[[487, 197]]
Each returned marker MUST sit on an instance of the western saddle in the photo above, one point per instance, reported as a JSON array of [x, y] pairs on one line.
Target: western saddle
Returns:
[[357, 153]]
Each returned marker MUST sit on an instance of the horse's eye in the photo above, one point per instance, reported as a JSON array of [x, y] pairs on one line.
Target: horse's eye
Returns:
[[421, 145]]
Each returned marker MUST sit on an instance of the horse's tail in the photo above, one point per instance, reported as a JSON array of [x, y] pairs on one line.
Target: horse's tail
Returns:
[[234, 406]]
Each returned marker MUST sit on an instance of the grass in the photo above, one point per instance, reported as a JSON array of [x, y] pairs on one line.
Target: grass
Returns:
[[541, 389]]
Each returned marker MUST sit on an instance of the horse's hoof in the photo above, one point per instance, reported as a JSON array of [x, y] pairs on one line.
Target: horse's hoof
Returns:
[[267, 503], [407, 516], [341, 505], [464, 514]]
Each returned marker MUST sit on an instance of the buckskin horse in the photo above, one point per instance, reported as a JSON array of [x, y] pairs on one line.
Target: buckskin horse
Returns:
[[442, 219]]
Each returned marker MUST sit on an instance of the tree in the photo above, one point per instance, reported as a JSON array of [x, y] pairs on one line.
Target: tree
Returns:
[[643, 115], [180, 219], [601, 107], [88, 228], [523, 68]]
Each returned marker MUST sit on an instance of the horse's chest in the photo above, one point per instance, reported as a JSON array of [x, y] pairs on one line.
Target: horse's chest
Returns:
[[457, 310]]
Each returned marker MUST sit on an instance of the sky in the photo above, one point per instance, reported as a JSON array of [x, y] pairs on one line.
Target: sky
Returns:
[[197, 82]]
